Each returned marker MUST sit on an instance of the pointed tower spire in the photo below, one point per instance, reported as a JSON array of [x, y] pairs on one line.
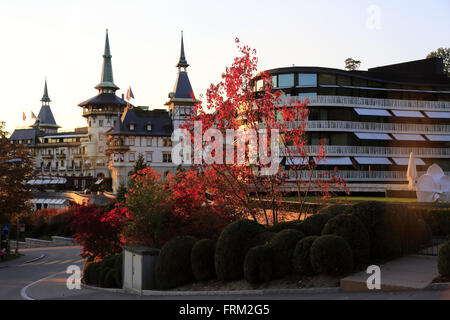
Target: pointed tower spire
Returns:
[[45, 98], [107, 82], [182, 63]]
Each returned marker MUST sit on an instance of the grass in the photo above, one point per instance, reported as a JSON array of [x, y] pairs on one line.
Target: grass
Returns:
[[354, 199], [12, 256]]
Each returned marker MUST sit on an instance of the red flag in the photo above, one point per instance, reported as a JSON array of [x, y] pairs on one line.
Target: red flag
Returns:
[[32, 115], [24, 117], [129, 94]]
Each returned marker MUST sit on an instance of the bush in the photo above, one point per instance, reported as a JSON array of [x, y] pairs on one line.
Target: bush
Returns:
[[283, 245], [173, 266], [297, 225], [118, 267], [89, 272], [438, 220], [313, 225], [301, 258], [258, 264], [444, 260], [110, 279], [232, 246], [351, 229], [334, 209], [331, 255], [202, 259]]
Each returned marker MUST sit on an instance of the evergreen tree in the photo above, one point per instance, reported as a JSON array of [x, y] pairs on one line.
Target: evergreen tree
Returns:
[[139, 164], [121, 191]]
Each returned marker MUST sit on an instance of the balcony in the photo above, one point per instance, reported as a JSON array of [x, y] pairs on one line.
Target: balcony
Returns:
[[378, 151], [60, 156], [373, 103], [352, 126], [354, 175], [47, 156]]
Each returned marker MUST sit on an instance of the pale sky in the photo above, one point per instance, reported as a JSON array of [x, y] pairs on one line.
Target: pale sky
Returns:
[[64, 41]]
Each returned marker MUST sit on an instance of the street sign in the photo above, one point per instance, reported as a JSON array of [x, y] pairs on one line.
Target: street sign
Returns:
[[22, 227], [5, 229]]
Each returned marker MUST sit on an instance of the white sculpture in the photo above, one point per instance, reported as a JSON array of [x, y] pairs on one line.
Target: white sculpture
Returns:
[[431, 187]]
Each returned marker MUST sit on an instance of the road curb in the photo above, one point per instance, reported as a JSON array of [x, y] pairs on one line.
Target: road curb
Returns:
[[35, 259], [217, 292]]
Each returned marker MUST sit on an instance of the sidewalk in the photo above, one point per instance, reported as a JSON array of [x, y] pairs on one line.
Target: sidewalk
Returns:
[[413, 272]]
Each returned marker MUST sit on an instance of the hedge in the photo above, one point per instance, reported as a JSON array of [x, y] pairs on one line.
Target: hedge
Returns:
[[334, 209], [202, 259], [258, 264], [444, 260], [331, 255], [313, 225], [232, 246], [301, 258], [283, 245], [351, 229], [173, 265], [297, 225]]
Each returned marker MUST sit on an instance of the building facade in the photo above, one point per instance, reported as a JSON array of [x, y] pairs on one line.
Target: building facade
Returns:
[[372, 120]]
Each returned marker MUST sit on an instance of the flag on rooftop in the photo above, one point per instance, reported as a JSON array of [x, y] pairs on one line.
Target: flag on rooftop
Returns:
[[129, 94], [23, 116]]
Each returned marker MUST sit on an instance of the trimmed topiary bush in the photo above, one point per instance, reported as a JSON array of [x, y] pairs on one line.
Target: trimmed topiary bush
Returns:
[[301, 258], [173, 266], [89, 271], [353, 230], [258, 264], [334, 209], [202, 259], [232, 246], [110, 277], [313, 225], [331, 255], [283, 245], [444, 260]]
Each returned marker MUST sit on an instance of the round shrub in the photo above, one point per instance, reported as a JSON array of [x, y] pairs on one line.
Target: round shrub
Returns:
[[101, 273], [334, 209], [173, 266], [283, 245], [109, 280], [88, 273], [232, 246], [351, 229], [313, 225], [297, 225], [301, 258], [202, 259], [331, 255], [258, 265], [118, 267], [444, 260]]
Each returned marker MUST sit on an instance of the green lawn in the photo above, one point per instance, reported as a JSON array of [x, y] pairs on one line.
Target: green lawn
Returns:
[[354, 199]]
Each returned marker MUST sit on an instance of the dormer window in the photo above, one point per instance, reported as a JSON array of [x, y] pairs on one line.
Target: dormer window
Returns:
[[131, 126], [149, 127]]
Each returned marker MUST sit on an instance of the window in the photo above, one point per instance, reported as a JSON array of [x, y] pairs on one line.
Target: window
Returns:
[[286, 80], [149, 141], [131, 141], [148, 156], [100, 123], [307, 80], [274, 81], [167, 157], [327, 79], [100, 149], [344, 81], [167, 142], [259, 85], [131, 126], [149, 127], [116, 157], [131, 157]]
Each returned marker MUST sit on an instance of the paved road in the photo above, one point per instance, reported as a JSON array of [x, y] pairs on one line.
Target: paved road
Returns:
[[18, 280]]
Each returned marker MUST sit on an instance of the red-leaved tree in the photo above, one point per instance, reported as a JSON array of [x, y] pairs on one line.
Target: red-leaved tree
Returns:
[[244, 101]]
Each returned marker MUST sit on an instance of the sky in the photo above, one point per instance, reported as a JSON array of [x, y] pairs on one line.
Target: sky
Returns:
[[63, 41]]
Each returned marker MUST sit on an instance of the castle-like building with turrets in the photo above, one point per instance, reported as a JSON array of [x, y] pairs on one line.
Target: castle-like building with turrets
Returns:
[[105, 151]]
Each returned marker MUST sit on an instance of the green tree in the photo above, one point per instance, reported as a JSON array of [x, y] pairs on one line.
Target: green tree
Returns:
[[139, 164], [16, 167], [352, 64], [121, 191], [443, 53]]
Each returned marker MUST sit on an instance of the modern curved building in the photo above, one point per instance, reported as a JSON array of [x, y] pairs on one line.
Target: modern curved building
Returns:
[[372, 120]]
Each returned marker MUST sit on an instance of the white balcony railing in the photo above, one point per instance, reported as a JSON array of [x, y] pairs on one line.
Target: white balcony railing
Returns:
[[374, 103], [351, 126], [353, 175], [378, 151]]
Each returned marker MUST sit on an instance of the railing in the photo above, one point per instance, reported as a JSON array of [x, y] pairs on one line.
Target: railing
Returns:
[[324, 125], [353, 175], [373, 103], [379, 151]]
